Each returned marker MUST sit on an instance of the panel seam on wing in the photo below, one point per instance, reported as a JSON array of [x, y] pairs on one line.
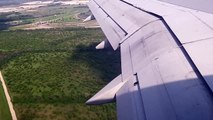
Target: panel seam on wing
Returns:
[[111, 18]]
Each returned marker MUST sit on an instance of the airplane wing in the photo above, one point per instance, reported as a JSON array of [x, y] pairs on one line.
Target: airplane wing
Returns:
[[166, 51]]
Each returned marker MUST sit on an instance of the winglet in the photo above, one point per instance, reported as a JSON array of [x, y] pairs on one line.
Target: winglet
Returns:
[[107, 94], [91, 17]]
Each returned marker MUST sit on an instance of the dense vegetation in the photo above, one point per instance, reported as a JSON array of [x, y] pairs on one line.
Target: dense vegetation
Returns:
[[51, 73]]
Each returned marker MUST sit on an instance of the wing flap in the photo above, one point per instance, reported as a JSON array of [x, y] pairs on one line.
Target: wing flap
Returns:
[[126, 61], [165, 77], [107, 94], [112, 31], [159, 80], [123, 14], [129, 102]]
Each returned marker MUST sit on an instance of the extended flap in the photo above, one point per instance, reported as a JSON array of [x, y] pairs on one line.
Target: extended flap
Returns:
[[107, 94]]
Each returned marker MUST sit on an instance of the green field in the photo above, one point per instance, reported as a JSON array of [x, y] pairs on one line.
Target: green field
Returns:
[[51, 73], [4, 109]]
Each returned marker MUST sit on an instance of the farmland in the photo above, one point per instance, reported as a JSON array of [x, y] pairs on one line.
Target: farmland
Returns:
[[51, 73], [44, 15]]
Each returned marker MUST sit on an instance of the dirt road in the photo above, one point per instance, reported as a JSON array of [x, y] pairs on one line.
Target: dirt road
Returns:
[[12, 111]]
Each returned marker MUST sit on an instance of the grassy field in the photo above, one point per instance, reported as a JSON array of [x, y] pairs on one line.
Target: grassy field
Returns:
[[4, 109], [51, 73], [59, 14], [55, 14]]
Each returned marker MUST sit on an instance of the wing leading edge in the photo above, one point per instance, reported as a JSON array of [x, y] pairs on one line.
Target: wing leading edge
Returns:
[[166, 60]]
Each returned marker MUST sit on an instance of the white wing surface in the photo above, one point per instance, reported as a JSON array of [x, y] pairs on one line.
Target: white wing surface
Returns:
[[166, 57]]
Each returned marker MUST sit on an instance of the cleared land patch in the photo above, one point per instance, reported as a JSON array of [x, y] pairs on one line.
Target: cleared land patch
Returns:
[[46, 17], [51, 73]]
